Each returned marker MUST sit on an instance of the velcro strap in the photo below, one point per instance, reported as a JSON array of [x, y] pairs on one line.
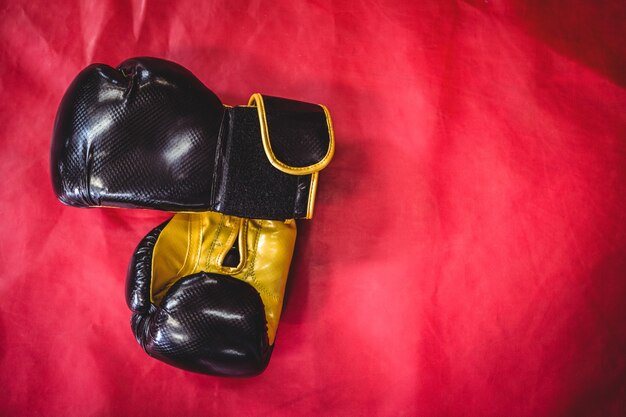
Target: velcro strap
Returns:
[[297, 137]]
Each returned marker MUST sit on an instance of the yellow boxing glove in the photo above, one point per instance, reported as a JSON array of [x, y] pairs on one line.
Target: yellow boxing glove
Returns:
[[206, 291]]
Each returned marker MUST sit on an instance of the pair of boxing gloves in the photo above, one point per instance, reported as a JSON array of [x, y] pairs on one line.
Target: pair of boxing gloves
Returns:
[[206, 287]]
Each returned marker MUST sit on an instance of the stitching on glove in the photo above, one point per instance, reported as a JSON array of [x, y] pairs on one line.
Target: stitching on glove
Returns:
[[215, 239]]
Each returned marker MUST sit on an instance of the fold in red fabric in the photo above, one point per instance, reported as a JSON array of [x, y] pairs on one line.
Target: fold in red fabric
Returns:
[[467, 256]]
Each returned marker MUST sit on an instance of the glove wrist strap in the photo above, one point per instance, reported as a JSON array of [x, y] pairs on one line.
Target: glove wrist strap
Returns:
[[268, 158]]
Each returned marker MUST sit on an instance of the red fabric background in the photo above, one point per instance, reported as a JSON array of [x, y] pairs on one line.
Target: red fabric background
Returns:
[[468, 252]]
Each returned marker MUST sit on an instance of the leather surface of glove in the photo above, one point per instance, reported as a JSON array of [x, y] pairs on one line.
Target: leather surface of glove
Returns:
[[149, 134], [206, 291]]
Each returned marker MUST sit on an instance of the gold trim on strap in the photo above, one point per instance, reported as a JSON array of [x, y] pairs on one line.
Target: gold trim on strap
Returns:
[[257, 101]]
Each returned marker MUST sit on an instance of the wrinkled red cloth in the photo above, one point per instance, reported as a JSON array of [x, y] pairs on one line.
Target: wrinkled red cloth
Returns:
[[467, 256]]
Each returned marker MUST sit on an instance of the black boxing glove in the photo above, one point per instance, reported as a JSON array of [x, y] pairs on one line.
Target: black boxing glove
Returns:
[[149, 134], [206, 291]]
